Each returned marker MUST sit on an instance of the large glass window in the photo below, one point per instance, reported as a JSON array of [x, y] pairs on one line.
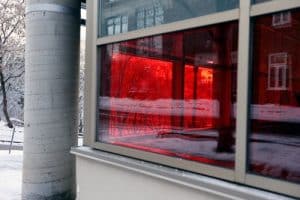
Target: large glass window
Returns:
[[172, 94], [275, 103], [147, 13]]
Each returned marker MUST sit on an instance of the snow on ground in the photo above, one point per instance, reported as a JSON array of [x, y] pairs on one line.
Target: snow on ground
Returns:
[[6, 134], [11, 164], [10, 175]]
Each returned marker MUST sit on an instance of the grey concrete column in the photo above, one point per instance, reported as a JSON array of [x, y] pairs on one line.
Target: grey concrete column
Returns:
[[51, 93]]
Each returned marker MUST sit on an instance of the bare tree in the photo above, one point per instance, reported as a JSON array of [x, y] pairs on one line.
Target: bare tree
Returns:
[[12, 36]]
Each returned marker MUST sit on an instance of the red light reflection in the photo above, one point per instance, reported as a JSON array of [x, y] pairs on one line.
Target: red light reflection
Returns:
[[140, 82], [172, 94]]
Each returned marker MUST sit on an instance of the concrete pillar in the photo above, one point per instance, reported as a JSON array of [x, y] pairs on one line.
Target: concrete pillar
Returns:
[[51, 93]]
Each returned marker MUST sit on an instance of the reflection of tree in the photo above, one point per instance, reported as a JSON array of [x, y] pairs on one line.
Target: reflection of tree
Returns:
[[208, 54], [224, 45]]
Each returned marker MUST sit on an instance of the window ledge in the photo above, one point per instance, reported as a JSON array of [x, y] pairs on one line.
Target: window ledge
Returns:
[[199, 182]]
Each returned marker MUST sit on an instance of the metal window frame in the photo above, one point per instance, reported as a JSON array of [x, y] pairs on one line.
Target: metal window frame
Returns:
[[269, 183], [243, 14]]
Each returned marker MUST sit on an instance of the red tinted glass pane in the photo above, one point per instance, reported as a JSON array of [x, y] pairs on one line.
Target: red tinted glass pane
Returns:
[[275, 109], [172, 94], [272, 79]]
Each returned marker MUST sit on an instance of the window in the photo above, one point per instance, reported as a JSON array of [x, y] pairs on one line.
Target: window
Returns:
[[278, 73], [281, 19], [147, 17], [174, 98], [183, 95], [149, 13], [275, 110], [110, 1], [116, 25]]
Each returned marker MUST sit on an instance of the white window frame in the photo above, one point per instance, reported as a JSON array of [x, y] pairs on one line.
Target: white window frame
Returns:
[[278, 66], [244, 14], [282, 19]]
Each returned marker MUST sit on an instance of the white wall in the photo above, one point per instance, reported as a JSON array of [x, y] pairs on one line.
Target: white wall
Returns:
[[107, 176], [103, 181]]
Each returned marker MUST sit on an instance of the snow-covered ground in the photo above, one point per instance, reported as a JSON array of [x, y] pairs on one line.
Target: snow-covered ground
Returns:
[[10, 175], [11, 164], [6, 135]]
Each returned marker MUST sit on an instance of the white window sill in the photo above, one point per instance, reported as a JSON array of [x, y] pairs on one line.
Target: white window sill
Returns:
[[203, 183]]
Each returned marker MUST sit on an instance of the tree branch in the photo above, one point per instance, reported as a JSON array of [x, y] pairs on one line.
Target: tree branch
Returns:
[[15, 76]]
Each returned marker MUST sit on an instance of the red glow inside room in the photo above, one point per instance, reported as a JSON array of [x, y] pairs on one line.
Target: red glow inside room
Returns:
[[172, 94]]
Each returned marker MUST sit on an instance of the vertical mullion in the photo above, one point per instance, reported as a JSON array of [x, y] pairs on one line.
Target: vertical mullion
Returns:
[[93, 68], [242, 91], [89, 108]]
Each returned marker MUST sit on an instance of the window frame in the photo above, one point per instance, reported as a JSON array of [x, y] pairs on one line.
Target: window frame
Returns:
[[243, 14], [277, 67]]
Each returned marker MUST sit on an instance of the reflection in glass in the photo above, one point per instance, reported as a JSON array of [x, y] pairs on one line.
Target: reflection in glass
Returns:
[[275, 106], [116, 25], [260, 1], [148, 13], [172, 94]]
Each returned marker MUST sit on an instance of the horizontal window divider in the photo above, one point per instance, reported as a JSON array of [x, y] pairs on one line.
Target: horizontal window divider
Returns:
[[205, 20], [205, 169], [273, 6], [276, 185]]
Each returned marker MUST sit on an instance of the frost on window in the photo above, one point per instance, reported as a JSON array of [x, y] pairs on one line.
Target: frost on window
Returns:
[[278, 73]]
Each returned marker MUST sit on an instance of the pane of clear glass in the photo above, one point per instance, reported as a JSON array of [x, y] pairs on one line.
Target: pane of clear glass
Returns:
[[110, 22], [117, 28], [172, 94], [149, 17], [272, 78], [124, 28], [159, 20], [110, 30], [155, 12], [260, 1], [275, 110], [124, 24]]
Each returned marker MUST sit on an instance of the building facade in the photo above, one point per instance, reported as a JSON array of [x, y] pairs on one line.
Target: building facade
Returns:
[[191, 100]]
